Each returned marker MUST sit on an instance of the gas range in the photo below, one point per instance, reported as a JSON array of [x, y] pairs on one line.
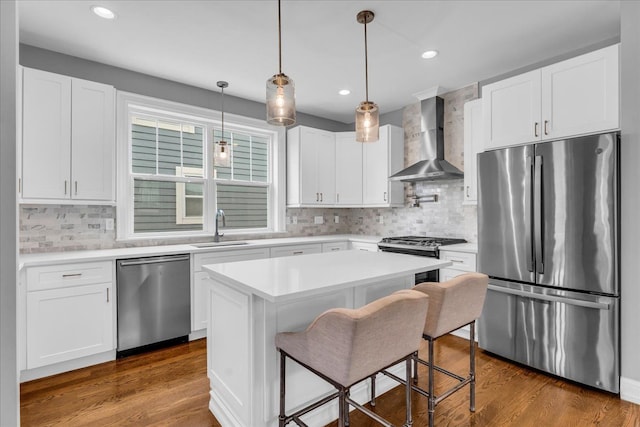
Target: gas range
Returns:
[[416, 245]]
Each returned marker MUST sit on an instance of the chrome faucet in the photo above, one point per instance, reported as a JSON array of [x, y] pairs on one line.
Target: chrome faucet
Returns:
[[217, 236]]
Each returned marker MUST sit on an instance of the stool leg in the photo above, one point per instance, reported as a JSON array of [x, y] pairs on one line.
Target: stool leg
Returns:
[[415, 367], [346, 410], [409, 420], [432, 397], [341, 402], [373, 390], [472, 367], [282, 417]]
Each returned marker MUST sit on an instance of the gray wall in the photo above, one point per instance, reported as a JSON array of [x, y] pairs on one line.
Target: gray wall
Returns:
[[9, 413], [630, 176], [143, 84]]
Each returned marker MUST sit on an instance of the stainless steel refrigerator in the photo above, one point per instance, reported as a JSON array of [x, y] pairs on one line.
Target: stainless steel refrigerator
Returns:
[[548, 238]]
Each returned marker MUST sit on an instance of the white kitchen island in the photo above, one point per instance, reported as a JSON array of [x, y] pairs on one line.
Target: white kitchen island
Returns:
[[250, 301]]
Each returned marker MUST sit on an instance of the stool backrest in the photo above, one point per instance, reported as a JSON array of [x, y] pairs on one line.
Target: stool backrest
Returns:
[[352, 344], [454, 303]]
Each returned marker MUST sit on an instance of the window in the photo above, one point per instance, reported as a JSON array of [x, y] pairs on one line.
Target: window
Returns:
[[168, 184]]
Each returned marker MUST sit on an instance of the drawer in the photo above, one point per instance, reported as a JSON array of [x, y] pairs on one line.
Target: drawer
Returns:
[[295, 250], [65, 275], [228, 256], [335, 246], [362, 246], [463, 261]]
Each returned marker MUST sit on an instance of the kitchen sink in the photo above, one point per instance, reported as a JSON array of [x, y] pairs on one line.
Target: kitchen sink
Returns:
[[217, 244]]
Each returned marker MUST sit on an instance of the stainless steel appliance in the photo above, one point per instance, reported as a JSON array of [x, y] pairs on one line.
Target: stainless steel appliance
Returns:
[[548, 238], [154, 302], [421, 246]]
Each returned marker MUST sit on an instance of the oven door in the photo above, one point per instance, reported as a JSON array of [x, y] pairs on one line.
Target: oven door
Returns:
[[427, 276]]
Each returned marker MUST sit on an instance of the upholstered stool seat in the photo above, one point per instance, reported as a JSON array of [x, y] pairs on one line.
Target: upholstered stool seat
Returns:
[[346, 346], [452, 304]]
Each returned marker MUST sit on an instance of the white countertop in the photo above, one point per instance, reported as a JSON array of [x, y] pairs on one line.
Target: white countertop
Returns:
[[279, 279], [143, 251]]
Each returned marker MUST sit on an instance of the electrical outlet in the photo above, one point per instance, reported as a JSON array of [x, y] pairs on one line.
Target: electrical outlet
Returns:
[[294, 219], [336, 219], [288, 220], [318, 220], [108, 224], [381, 219]]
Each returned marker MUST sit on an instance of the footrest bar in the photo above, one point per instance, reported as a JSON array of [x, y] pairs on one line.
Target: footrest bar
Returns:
[[369, 413], [295, 416]]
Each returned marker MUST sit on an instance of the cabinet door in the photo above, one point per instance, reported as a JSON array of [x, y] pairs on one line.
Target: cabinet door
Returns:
[[326, 157], [375, 160], [46, 135], [67, 323], [93, 141], [317, 168], [201, 280], [511, 110], [581, 95], [335, 246], [472, 145], [348, 169]]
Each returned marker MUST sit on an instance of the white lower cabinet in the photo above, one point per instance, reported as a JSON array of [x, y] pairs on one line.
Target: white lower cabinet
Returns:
[[364, 246], [463, 262], [201, 278], [70, 312], [335, 246]]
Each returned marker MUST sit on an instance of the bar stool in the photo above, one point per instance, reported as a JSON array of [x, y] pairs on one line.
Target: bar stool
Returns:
[[452, 304], [345, 346]]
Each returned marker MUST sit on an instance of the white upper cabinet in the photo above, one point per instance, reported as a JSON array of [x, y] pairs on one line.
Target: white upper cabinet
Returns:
[[311, 173], [472, 146], [380, 160], [332, 169], [512, 110], [581, 95], [573, 97], [68, 139], [348, 169]]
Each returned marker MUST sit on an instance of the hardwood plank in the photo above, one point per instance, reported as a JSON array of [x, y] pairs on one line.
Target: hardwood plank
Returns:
[[170, 388]]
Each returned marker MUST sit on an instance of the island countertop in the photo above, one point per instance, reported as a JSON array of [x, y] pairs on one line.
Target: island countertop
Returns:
[[279, 279]]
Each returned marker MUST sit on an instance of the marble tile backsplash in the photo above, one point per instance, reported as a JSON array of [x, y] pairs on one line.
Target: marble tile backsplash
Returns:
[[53, 228]]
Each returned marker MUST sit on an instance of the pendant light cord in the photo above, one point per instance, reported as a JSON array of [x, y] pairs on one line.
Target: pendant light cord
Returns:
[[366, 63], [222, 136], [279, 40]]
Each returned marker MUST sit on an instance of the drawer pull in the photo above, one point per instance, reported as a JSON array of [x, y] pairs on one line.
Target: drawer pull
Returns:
[[460, 261], [298, 252], [107, 294], [71, 275], [335, 249]]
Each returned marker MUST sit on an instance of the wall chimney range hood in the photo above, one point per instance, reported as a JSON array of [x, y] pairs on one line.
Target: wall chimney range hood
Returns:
[[432, 166]]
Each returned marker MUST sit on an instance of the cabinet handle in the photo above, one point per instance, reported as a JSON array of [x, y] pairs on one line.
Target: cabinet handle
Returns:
[[65, 187], [385, 196], [459, 261], [546, 130], [298, 252], [337, 197], [468, 192], [317, 197], [19, 185], [107, 294], [321, 197], [71, 275], [535, 130], [335, 249], [76, 185]]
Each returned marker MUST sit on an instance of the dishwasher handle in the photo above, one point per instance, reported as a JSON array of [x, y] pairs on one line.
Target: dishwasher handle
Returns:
[[551, 298], [152, 260]]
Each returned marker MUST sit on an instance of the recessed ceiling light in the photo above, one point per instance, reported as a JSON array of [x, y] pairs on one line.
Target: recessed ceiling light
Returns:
[[430, 54], [103, 12], [344, 92]]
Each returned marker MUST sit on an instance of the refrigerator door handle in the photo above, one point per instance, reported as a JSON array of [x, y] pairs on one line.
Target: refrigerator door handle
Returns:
[[537, 215], [551, 298], [527, 216]]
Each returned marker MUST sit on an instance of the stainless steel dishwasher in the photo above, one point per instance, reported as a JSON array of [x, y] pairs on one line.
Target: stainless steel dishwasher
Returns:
[[154, 302]]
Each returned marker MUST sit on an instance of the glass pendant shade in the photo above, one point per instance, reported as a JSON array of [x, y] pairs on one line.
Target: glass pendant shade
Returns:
[[367, 122], [281, 101], [222, 154]]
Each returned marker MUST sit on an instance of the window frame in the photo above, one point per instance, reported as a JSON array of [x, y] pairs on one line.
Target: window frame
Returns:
[[129, 105]]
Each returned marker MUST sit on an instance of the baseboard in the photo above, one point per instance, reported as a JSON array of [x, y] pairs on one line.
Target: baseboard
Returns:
[[196, 335], [69, 365], [465, 333], [630, 390]]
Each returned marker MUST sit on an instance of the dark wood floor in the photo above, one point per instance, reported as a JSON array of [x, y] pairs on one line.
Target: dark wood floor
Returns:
[[170, 388]]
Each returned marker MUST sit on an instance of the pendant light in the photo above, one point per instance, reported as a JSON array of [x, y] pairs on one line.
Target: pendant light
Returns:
[[281, 97], [221, 153], [367, 120]]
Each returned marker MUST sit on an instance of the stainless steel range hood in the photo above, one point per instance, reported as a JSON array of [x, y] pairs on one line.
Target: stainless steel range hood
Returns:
[[432, 166]]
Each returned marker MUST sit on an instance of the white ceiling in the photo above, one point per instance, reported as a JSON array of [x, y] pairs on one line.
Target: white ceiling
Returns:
[[201, 42]]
